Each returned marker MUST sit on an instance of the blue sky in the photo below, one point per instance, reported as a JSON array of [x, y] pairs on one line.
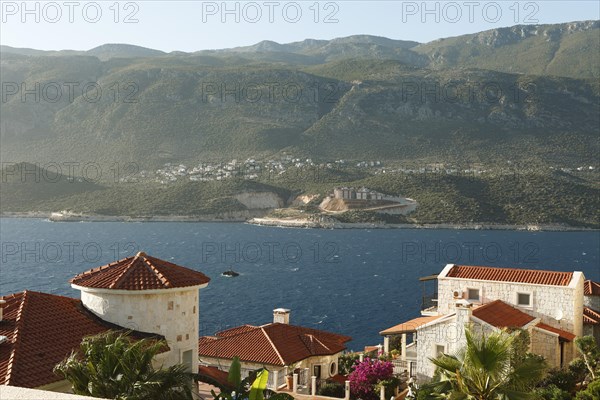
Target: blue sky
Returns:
[[198, 25]]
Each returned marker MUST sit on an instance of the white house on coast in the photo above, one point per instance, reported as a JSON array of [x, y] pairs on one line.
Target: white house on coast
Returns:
[[151, 297], [548, 304], [280, 347]]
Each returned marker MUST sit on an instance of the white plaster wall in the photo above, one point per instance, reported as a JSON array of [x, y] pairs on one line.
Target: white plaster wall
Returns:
[[19, 393], [449, 333], [546, 299], [63, 386], [224, 364], [173, 314], [324, 361]]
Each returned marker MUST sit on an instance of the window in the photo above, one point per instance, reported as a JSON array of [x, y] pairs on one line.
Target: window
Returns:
[[332, 369], [439, 350], [186, 360], [524, 299], [317, 371], [473, 294]]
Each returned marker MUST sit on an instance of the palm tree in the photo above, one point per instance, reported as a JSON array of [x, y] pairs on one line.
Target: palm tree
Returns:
[[112, 365], [252, 387], [486, 370]]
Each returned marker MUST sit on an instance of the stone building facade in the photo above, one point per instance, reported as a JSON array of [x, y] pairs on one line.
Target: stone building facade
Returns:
[[549, 305]]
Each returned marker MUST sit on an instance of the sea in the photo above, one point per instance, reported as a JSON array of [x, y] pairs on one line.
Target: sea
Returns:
[[355, 282]]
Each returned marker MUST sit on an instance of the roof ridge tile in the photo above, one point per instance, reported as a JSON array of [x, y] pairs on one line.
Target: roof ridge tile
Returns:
[[272, 345], [156, 272], [124, 274]]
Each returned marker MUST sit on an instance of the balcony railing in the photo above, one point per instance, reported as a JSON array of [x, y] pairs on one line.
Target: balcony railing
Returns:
[[402, 366], [429, 301]]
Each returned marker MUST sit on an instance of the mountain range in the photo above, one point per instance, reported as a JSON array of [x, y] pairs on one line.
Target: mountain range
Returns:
[[528, 93]]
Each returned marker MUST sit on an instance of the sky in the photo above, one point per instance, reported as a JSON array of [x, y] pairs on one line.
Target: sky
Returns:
[[199, 25]]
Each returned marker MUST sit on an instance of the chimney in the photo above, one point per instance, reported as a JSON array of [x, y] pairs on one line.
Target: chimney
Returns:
[[2, 303], [281, 316]]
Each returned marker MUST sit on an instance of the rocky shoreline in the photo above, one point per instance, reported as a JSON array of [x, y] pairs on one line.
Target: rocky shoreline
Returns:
[[258, 218]]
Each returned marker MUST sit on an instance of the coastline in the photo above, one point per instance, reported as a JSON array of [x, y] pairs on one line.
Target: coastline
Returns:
[[465, 226], [258, 218], [226, 217]]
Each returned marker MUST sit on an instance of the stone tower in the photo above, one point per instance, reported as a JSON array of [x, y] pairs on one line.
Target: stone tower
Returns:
[[147, 294]]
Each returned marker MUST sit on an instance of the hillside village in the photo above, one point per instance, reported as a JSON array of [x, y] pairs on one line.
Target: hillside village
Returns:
[[308, 169]]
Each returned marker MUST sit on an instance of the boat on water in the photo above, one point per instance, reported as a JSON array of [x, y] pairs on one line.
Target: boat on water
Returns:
[[230, 273]]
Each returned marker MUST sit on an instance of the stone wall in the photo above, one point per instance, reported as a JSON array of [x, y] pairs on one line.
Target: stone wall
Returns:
[[547, 300], [592, 302], [592, 330], [546, 344], [449, 333]]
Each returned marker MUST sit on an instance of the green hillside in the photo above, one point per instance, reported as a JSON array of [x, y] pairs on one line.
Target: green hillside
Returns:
[[525, 95]]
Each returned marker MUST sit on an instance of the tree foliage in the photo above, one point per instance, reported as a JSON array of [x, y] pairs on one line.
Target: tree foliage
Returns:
[[253, 387], [485, 370], [114, 366]]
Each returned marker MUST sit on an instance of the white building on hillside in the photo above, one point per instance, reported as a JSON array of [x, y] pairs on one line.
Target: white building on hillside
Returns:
[[548, 304], [278, 346]]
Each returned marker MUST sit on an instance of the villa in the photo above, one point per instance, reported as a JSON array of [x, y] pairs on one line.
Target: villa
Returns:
[[278, 346], [554, 307], [151, 297]]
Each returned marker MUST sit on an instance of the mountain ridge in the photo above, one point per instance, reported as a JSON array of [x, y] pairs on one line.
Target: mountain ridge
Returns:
[[356, 97]]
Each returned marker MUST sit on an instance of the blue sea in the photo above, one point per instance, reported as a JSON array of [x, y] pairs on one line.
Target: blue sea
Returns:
[[355, 282]]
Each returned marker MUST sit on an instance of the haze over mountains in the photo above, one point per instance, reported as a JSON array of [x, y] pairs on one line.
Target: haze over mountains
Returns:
[[526, 92]]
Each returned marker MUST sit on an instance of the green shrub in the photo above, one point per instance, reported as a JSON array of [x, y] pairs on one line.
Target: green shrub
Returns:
[[562, 378], [579, 370], [332, 389], [552, 392], [346, 362], [591, 393]]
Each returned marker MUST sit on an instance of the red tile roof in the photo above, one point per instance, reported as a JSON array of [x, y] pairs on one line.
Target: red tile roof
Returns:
[[141, 272], [215, 374], [539, 277], [502, 315], [568, 336], [370, 349], [42, 329], [273, 344], [236, 330], [590, 316], [409, 326], [591, 288]]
